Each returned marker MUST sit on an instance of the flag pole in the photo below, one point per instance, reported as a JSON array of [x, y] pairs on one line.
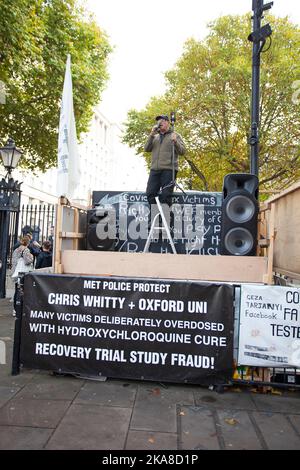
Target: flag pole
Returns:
[[68, 168]]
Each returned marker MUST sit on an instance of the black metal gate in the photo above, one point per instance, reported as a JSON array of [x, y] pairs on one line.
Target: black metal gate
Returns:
[[39, 220], [10, 195], [16, 222]]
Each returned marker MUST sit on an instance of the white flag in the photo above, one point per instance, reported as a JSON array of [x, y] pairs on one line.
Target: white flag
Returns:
[[68, 174]]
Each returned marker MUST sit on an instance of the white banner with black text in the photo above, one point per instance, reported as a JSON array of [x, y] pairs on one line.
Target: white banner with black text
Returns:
[[269, 333]]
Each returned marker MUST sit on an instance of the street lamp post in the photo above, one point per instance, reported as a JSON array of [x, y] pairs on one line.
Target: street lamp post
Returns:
[[10, 196]]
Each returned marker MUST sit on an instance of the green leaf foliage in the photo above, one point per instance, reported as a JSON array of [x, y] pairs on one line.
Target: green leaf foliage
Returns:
[[35, 38], [210, 87]]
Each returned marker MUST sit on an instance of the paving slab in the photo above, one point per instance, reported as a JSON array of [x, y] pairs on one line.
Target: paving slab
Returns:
[[277, 431], [88, 427], [23, 438], [238, 431], [143, 440], [155, 407], [295, 422], [287, 403], [198, 428], [8, 380], [238, 400], [110, 393], [175, 393], [6, 393], [41, 414], [51, 387]]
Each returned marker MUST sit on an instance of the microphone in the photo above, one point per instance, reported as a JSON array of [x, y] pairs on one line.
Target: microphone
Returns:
[[158, 125]]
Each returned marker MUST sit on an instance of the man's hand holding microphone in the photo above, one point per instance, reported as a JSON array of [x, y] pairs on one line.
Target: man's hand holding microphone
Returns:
[[156, 128], [163, 125]]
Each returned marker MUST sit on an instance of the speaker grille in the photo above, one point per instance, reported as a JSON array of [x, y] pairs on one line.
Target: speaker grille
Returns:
[[96, 243], [98, 218], [239, 215], [239, 241], [240, 209]]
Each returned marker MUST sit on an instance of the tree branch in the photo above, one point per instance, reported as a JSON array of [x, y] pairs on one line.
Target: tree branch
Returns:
[[198, 173]]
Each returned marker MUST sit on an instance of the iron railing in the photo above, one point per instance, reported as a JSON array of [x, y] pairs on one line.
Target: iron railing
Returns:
[[288, 378], [38, 219]]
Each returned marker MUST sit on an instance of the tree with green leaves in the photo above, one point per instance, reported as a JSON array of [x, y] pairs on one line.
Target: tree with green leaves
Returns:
[[35, 38], [210, 87]]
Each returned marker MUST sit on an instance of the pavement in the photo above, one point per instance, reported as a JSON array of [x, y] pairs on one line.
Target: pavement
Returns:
[[39, 410]]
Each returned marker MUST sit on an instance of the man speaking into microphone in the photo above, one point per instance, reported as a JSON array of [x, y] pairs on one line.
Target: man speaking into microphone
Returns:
[[165, 145]]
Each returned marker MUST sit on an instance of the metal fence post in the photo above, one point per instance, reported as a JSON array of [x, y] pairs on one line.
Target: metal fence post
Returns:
[[18, 327]]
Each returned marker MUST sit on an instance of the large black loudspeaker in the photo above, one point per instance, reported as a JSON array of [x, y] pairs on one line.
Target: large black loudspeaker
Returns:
[[239, 215], [95, 218]]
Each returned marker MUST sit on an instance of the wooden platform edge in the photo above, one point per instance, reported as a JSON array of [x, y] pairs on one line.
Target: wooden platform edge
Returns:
[[235, 269]]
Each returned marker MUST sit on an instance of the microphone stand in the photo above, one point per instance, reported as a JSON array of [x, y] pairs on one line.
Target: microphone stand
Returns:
[[173, 183]]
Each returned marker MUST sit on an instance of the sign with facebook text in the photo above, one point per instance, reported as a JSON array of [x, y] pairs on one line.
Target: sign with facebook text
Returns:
[[269, 332]]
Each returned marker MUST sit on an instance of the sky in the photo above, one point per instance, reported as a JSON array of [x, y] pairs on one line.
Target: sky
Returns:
[[148, 38]]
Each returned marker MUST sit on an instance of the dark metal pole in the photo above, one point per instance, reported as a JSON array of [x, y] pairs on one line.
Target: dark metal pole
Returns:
[[10, 194], [5, 216], [258, 37], [254, 140], [15, 370]]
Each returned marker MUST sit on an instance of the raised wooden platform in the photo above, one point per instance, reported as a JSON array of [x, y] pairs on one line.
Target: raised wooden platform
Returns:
[[166, 266]]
